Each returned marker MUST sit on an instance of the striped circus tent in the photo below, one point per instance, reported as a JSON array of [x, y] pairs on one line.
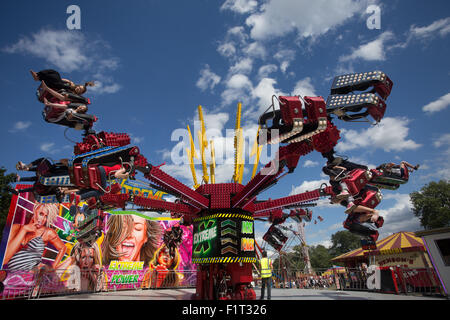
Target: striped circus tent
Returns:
[[396, 243]]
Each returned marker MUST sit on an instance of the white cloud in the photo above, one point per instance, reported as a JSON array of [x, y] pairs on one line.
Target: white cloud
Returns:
[[390, 135], [325, 243], [307, 186], [234, 40], [216, 121], [310, 164], [208, 79], [285, 57], [304, 88], [437, 28], [69, 51], [266, 70], [441, 27], [224, 172], [135, 139], [181, 172], [239, 81], [398, 217], [47, 147], [439, 163], [243, 66], [263, 93], [102, 87], [238, 88], [342, 68], [165, 153], [441, 168], [240, 6], [371, 51], [443, 140], [255, 50], [62, 48], [306, 18], [20, 126], [238, 32], [227, 49], [213, 121], [437, 105]]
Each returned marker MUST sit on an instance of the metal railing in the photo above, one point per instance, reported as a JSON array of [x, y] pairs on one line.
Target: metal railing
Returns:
[[36, 284], [44, 283], [422, 281], [352, 279], [19, 285], [401, 280]]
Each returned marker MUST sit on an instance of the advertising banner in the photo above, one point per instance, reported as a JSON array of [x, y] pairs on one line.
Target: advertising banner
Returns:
[[224, 238], [126, 249]]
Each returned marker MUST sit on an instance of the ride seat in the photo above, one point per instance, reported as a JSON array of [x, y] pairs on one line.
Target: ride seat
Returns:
[[371, 198], [365, 229], [95, 180], [357, 180], [78, 177], [274, 231], [272, 241]]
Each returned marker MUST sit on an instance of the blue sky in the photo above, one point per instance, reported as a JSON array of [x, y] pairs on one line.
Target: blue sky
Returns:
[[154, 62]]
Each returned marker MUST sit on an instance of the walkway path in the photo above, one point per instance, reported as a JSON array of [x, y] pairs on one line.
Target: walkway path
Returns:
[[277, 294]]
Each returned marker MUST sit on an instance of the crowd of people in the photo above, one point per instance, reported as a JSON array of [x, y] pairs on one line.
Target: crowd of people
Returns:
[[307, 282]]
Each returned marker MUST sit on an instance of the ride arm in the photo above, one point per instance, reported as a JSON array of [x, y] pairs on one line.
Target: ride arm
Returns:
[[263, 209], [160, 178]]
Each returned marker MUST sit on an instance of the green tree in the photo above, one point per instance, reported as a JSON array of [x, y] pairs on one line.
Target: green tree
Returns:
[[320, 257], [343, 242], [5, 196], [432, 204], [297, 258]]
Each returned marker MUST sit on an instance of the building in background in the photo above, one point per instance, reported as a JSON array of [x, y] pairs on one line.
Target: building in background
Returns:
[[437, 244]]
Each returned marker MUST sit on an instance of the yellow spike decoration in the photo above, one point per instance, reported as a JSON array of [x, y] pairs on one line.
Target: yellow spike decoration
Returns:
[[212, 165], [241, 172], [238, 146], [191, 155], [193, 152], [256, 151], [203, 144], [191, 164]]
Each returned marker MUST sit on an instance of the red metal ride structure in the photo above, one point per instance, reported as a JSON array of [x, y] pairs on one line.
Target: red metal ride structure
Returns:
[[301, 128], [223, 214]]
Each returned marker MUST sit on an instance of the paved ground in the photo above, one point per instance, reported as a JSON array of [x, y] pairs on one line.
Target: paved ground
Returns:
[[277, 294]]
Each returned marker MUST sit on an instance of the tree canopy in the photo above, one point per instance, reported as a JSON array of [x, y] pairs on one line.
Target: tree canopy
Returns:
[[432, 204], [343, 242], [320, 257]]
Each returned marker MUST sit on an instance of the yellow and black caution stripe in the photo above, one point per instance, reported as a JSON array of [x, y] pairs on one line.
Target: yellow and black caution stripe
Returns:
[[223, 260], [225, 215]]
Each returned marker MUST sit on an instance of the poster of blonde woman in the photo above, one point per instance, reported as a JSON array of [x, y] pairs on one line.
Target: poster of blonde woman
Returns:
[[40, 245]]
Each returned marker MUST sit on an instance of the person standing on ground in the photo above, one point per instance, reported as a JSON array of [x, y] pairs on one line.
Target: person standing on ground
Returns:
[[266, 275]]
